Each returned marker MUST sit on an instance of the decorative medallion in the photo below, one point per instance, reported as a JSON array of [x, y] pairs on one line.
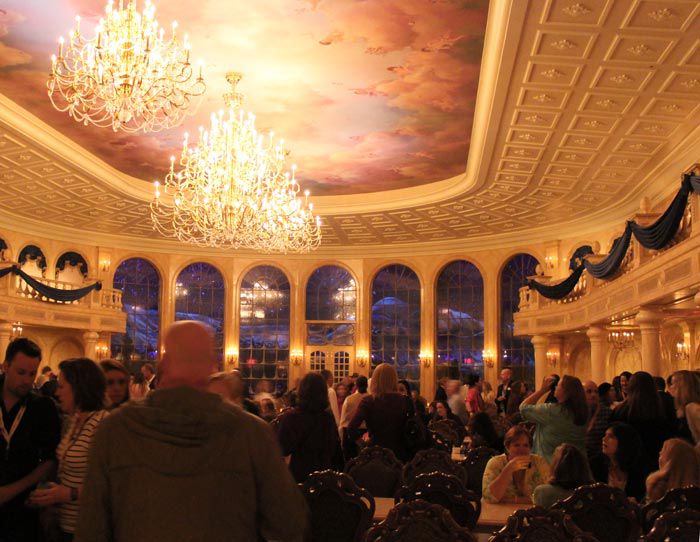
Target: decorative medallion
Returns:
[[621, 78], [563, 44], [661, 14], [552, 74], [576, 10]]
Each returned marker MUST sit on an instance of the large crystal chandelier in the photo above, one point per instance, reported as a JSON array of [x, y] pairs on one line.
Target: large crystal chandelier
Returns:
[[232, 190], [128, 76]]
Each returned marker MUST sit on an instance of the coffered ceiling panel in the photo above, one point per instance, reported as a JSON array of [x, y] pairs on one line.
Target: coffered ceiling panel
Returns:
[[583, 108]]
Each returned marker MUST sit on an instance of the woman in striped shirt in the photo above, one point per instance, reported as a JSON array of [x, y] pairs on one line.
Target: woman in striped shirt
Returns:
[[81, 393]]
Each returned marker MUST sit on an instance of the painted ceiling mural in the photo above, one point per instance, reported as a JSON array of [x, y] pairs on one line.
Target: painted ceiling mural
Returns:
[[368, 94]]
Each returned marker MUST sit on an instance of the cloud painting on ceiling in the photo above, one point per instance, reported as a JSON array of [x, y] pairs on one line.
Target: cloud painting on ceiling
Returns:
[[368, 94]]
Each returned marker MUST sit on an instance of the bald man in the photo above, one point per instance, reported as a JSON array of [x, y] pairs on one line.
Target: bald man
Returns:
[[185, 465]]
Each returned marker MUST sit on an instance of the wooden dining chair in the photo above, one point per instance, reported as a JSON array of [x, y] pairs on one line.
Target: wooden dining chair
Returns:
[[418, 521], [677, 526], [431, 460], [447, 491], [675, 499], [538, 524], [475, 464], [377, 470], [340, 510], [603, 511]]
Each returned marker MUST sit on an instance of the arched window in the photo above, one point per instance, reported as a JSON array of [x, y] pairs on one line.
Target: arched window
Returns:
[[460, 320], [139, 282], [396, 321], [331, 301], [264, 332], [32, 261], [71, 267], [3, 251], [517, 352], [199, 295]]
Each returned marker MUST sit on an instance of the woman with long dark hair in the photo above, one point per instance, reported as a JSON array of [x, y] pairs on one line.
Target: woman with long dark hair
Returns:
[[307, 433], [569, 471], [623, 462], [556, 423], [644, 410]]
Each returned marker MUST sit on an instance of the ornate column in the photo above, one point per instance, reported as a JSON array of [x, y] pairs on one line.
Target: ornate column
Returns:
[[5, 335], [427, 343], [540, 342], [90, 338], [648, 321], [491, 324], [598, 340]]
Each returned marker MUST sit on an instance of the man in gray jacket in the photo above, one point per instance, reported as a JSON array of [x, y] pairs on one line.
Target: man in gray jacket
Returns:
[[182, 465]]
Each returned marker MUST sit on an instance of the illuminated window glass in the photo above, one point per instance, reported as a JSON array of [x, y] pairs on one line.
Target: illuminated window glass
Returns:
[[396, 321], [199, 295], [460, 320], [264, 329], [331, 294], [139, 282], [517, 352]]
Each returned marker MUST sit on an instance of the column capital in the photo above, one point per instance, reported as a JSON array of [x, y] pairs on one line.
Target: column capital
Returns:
[[596, 333], [648, 319], [5, 328], [91, 335], [539, 340]]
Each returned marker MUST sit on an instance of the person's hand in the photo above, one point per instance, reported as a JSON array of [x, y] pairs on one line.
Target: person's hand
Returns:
[[518, 463], [54, 494], [547, 382]]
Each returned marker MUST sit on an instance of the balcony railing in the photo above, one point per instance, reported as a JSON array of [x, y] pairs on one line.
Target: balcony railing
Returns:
[[637, 256], [106, 298]]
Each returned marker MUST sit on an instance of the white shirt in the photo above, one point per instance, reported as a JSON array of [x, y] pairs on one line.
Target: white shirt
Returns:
[[333, 400]]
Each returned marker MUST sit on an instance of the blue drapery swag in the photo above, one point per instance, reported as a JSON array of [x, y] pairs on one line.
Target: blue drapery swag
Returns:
[[55, 294], [655, 236]]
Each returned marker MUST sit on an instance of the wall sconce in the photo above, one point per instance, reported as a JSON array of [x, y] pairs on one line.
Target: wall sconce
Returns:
[[362, 358], [489, 358], [682, 351], [550, 262], [296, 357], [231, 357], [552, 358], [16, 329], [105, 263], [102, 351], [425, 358]]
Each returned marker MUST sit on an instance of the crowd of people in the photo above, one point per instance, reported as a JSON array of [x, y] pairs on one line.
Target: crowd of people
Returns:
[[95, 454]]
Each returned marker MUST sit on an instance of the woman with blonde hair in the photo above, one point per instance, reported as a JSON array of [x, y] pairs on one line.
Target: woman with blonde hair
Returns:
[[685, 389], [385, 412], [679, 466]]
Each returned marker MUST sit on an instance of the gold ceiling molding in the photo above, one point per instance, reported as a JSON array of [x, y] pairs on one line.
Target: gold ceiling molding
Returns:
[[583, 108]]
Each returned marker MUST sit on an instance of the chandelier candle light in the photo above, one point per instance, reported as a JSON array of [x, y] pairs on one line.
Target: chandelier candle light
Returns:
[[231, 190], [128, 76]]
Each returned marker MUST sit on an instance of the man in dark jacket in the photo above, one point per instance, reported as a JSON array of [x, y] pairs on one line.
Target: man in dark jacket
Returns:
[[185, 465]]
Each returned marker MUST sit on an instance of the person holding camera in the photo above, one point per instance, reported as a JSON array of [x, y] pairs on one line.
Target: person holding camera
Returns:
[[556, 423]]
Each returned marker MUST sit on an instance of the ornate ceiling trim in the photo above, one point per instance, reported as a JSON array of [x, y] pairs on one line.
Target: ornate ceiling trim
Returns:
[[583, 108]]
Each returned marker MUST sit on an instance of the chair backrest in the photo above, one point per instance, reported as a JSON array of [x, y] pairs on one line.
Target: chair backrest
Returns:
[[603, 511], [540, 525], [675, 499], [448, 430], [340, 510], [678, 526], [426, 461], [475, 465], [447, 491], [377, 470], [418, 521]]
